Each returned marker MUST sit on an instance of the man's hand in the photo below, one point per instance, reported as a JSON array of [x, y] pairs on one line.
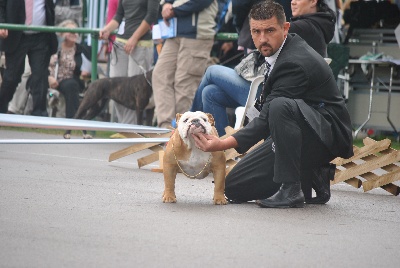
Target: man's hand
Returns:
[[207, 143], [130, 45], [226, 47], [53, 82], [167, 11], [3, 33], [104, 34]]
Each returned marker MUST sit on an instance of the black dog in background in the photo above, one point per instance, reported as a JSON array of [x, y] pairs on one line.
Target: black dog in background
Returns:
[[132, 92]]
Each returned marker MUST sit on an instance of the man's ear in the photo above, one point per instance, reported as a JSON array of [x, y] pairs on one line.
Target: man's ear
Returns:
[[178, 116], [210, 119]]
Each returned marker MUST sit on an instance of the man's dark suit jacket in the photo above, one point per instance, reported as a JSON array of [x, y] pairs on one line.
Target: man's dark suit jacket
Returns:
[[302, 74], [13, 11]]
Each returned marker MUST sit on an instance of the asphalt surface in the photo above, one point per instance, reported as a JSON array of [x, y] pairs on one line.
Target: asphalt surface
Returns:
[[67, 206]]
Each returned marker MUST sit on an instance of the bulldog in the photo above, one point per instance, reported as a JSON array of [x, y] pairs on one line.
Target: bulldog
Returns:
[[181, 154]]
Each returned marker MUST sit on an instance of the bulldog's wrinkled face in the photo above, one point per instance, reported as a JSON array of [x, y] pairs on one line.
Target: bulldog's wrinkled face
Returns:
[[192, 123]]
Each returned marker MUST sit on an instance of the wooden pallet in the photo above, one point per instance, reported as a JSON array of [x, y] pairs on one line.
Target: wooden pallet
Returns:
[[155, 147], [362, 168]]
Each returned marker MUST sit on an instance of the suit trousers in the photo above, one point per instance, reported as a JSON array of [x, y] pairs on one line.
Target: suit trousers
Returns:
[[285, 156], [36, 46]]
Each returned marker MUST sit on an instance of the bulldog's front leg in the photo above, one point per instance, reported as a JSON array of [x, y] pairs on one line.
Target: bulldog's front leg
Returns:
[[219, 185], [169, 184]]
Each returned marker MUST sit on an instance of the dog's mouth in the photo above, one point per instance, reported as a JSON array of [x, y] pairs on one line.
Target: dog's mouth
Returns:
[[196, 127]]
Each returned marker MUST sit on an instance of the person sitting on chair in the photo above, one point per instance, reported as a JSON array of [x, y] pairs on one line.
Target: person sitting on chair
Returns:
[[65, 69]]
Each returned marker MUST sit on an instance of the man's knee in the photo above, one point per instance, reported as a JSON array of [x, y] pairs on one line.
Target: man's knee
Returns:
[[281, 108]]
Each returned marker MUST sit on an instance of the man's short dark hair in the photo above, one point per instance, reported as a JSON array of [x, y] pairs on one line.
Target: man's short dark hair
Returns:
[[266, 10]]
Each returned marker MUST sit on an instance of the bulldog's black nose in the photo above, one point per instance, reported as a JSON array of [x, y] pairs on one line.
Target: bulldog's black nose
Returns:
[[195, 121]]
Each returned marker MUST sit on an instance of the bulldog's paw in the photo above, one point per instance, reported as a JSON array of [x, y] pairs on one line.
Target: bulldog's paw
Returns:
[[220, 200], [169, 198]]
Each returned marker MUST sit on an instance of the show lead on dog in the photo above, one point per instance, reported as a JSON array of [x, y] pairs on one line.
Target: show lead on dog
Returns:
[[303, 120]]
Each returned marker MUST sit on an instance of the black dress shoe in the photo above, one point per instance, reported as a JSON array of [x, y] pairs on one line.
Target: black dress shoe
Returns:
[[288, 196], [321, 178]]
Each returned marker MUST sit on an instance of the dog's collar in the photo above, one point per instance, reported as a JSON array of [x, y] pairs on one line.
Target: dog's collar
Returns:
[[188, 175]]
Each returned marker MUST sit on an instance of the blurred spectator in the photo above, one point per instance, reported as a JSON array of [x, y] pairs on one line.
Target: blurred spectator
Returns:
[[336, 6], [132, 52], [19, 103], [69, 9], [183, 58], [226, 52], [65, 69], [37, 45], [111, 10]]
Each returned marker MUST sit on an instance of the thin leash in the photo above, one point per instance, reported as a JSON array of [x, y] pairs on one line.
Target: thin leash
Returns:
[[114, 45]]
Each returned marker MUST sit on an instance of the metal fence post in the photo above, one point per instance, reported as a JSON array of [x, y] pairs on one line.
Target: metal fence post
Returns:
[[95, 44]]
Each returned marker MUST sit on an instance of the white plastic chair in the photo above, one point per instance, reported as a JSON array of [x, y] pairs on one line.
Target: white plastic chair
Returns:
[[240, 112]]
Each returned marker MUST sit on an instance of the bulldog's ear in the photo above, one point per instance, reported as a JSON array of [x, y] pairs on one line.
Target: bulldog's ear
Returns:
[[210, 119], [178, 116]]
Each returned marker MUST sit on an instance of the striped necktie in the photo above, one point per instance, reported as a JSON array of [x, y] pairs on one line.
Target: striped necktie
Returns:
[[28, 11], [260, 101]]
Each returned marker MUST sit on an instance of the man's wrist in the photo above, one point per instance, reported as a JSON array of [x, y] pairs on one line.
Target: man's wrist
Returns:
[[227, 143]]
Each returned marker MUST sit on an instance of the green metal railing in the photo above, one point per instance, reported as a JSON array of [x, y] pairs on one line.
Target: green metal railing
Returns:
[[94, 33], [226, 36]]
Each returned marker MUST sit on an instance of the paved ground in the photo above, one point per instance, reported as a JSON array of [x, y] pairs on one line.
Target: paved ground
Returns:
[[67, 206]]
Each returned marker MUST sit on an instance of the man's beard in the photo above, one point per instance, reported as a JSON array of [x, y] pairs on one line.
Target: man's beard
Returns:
[[269, 52]]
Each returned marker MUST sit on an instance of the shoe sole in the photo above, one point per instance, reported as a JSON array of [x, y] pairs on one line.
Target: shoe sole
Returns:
[[290, 206]]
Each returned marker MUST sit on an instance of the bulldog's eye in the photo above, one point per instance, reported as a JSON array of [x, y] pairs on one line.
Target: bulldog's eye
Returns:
[[185, 120], [205, 119]]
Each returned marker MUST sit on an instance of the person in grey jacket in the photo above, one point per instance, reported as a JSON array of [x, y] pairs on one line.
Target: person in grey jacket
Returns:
[[303, 121], [132, 52], [183, 58]]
